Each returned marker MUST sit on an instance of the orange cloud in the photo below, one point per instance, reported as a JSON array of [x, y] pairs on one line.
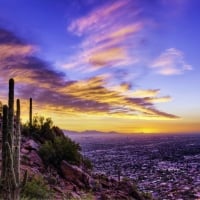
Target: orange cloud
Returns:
[[7, 50], [146, 93], [17, 61], [114, 102], [151, 96], [158, 99], [107, 57], [126, 31]]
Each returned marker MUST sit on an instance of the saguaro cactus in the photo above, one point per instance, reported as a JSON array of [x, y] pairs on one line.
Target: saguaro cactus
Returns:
[[10, 179], [11, 112], [1, 109], [18, 141], [11, 149], [30, 113], [8, 175], [17, 150], [4, 141]]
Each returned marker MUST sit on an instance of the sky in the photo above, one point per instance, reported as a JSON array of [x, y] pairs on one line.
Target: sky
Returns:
[[130, 66]]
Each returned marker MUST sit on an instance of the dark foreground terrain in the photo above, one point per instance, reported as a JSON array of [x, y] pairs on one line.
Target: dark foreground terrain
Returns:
[[167, 166]]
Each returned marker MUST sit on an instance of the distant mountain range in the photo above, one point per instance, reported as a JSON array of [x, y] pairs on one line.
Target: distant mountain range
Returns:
[[90, 132]]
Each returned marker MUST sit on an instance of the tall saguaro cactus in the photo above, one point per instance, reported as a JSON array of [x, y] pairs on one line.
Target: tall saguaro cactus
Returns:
[[17, 150], [11, 112], [11, 149], [10, 179], [18, 142], [30, 113], [4, 141], [7, 174]]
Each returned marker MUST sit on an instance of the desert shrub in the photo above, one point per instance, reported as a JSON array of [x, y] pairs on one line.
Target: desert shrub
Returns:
[[36, 189], [55, 145], [147, 195], [61, 148], [87, 163], [41, 130]]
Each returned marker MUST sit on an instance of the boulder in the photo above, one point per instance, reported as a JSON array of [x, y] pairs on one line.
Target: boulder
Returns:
[[31, 145], [75, 196], [111, 194], [129, 188], [76, 175], [24, 151], [35, 160]]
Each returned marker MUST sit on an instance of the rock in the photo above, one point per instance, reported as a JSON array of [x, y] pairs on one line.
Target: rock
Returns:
[[105, 184], [58, 189], [110, 194], [35, 159], [76, 175], [130, 190], [24, 151], [70, 194], [31, 145], [75, 196]]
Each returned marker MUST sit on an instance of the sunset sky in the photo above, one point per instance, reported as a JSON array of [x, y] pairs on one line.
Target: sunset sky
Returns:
[[117, 65]]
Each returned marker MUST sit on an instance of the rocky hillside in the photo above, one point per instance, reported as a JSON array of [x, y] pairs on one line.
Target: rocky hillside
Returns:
[[73, 182], [57, 170]]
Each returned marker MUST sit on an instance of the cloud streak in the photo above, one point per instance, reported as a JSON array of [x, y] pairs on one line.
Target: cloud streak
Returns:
[[93, 97], [93, 19], [171, 62], [106, 33], [17, 61], [7, 50]]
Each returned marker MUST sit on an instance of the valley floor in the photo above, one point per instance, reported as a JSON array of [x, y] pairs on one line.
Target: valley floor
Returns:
[[166, 166]]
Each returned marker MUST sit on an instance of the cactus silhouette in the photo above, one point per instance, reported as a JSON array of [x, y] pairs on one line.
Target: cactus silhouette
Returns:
[[1, 109], [30, 113], [17, 150], [11, 113], [4, 141], [11, 137]]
